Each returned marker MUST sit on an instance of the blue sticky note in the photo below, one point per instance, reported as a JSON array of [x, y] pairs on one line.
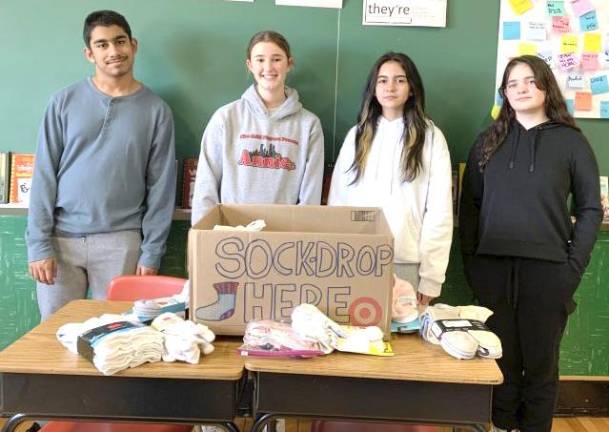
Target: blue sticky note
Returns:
[[556, 7], [605, 109], [498, 98], [599, 84], [588, 21], [511, 30], [570, 105]]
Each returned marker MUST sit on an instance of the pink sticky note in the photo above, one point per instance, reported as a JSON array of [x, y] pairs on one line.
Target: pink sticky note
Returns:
[[581, 7], [589, 61], [567, 61], [583, 101], [560, 24]]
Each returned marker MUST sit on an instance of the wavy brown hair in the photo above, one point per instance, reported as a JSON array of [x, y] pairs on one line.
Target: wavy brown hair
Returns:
[[415, 119], [554, 105]]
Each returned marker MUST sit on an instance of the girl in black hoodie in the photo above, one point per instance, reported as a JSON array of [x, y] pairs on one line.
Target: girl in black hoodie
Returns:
[[523, 257]]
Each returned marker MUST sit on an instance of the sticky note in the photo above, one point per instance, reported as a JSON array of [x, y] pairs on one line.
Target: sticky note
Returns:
[[560, 24], [495, 111], [536, 30], [556, 8], [599, 84], [521, 6], [526, 48], [581, 7], [588, 22], [605, 58], [570, 106], [592, 42], [511, 30], [567, 61], [589, 62], [546, 56], [575, 81], [604, 109], [568, 44], [583, 101], [498, 98]]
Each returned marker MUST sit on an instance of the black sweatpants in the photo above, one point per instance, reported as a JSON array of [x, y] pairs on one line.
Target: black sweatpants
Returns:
[[531, 300]]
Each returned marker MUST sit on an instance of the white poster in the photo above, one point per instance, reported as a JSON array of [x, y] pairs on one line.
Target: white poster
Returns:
[[336, 4], [572, 36], [419, 13]]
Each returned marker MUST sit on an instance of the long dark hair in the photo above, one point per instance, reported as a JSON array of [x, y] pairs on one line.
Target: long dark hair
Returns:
[[415, 119], [554, 105]]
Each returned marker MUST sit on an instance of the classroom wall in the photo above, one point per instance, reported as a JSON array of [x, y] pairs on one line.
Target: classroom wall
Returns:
[[192, 52]]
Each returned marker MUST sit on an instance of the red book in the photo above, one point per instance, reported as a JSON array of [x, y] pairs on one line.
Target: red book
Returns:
[[22, 171], [188, 184]]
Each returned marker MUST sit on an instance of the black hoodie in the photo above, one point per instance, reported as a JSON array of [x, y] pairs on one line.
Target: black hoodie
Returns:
[[518, 205]]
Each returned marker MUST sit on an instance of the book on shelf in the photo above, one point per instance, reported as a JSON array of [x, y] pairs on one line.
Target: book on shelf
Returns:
[[4, 176], [605, 197], [22, 171], [188, 181]]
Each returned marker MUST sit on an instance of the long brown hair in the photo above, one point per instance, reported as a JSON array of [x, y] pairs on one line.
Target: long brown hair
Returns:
[[415, 119], [554, 105]]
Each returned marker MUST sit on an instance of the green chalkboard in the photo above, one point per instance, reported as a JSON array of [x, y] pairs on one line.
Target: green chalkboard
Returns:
[[192, 53]]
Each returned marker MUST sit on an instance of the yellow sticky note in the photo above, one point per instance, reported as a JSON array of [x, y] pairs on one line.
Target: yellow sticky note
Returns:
[[495, 112], [526, 48], [521, 6], [568, 44], [592, 42]]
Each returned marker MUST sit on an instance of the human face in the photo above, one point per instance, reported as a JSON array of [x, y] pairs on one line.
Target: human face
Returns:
[[111, 51], [392, 89], [522, 92], [269, 65]]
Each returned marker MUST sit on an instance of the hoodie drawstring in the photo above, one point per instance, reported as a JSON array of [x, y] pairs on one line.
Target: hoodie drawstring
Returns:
[[515, 143], [512, 286]]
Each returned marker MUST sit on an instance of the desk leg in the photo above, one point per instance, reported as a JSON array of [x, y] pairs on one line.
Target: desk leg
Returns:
[[13, 422], [230, 426], [263, 421]]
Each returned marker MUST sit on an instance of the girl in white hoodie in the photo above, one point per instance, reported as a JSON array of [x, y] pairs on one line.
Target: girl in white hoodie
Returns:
[[397, 159], [264, 148]]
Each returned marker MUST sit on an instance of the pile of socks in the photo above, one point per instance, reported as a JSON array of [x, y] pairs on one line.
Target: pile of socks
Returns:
[[309, 321], [112, 342], [404, 308], [183, 340], [147, 310], [256, 225], [116, 342], [276, 339], [461, 331]]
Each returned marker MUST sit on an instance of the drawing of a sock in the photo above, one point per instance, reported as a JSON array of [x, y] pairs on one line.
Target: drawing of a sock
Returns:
[[224, 308]]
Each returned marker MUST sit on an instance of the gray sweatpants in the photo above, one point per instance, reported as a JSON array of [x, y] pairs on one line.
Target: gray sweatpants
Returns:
[[88, 262]]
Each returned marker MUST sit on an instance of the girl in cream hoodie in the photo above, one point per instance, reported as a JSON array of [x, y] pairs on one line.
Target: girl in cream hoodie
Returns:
[[397, 159], [264, 148]]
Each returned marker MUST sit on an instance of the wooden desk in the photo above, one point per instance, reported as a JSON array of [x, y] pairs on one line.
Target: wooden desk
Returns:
[[421, 384], [42, 379]]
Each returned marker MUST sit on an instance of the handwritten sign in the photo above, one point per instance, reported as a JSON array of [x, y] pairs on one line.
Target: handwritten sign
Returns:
[[588, 22], [575, 81], [599, 84], [556, 8], [536, 31], [422, 13], [568, 44], [511, 30], [589, 62], [567, 61]]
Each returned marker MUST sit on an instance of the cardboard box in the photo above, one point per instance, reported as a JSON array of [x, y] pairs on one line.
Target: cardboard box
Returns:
[[337, 258]]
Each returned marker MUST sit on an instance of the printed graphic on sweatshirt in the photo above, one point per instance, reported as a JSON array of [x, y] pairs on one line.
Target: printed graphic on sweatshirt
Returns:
[[266, 157]]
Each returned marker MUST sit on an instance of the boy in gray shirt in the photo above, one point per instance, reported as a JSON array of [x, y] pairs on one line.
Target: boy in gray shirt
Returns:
[[104, 178]]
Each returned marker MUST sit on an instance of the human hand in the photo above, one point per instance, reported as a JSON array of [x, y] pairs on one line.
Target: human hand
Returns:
[[44, 270], [423, 299], [145, 271]]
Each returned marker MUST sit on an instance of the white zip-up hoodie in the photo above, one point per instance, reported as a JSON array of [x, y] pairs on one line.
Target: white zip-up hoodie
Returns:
[[250, 154], [419, 212]]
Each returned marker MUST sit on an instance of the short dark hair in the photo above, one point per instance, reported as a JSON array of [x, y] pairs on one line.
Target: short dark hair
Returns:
[[104, 18]]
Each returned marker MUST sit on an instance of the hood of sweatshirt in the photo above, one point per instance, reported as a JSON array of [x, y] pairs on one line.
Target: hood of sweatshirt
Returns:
[[530, 137], [290, 106]]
